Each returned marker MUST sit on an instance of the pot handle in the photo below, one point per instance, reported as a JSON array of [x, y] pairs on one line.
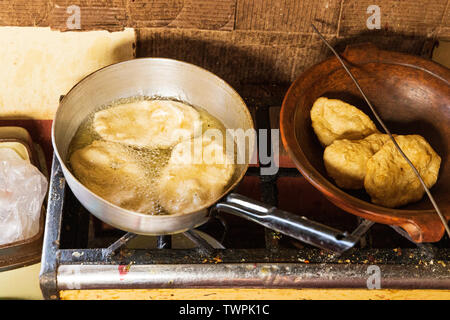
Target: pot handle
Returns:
[[295, 226]]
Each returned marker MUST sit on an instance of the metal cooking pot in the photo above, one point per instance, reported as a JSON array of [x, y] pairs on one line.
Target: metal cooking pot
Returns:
[[157, 77]]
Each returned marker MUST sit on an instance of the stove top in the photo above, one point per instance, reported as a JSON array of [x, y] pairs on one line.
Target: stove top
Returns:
[[80, 252]]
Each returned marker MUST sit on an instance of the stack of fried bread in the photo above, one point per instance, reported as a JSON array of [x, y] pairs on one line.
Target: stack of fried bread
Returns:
[[358, 156]]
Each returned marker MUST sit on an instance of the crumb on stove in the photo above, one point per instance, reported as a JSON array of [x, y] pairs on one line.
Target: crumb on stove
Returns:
[[442, 263]]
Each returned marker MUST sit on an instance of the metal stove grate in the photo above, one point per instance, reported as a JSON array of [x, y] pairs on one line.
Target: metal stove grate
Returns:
[[81, 253]]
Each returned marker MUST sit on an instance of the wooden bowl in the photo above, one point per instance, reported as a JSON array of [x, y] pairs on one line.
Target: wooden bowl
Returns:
[[412, 96]]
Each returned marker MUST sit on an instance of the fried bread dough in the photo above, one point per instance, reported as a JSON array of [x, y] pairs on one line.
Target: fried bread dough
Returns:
[[345, 160], [112, 171], [148, 123], [391, 182], [334, 119], [188, 181]]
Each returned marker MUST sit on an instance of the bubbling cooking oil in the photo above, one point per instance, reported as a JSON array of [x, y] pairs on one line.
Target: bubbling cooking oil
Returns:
[[150, 161]]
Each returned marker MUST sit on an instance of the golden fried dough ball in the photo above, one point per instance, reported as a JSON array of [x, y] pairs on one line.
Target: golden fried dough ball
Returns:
[[334, 119], [148, 123], [345, 160], [112, 171], [391, 182], [190, 181]]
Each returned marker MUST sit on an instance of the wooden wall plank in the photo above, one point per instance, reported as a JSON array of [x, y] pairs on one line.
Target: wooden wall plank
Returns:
[[100, 14], [153, 13], [24, 13], [200, 14], [114, 15], [344, 18], [403, 17], [239, 57], [243, 57], [288, 15]]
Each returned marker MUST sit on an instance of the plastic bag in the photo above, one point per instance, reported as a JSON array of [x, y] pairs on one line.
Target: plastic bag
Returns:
[[22, 191]]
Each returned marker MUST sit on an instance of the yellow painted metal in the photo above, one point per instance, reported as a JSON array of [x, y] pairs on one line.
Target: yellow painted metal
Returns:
[[21, 283], [254, 294]]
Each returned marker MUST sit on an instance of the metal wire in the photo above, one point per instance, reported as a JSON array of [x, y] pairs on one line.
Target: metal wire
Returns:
[[436, 208]]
